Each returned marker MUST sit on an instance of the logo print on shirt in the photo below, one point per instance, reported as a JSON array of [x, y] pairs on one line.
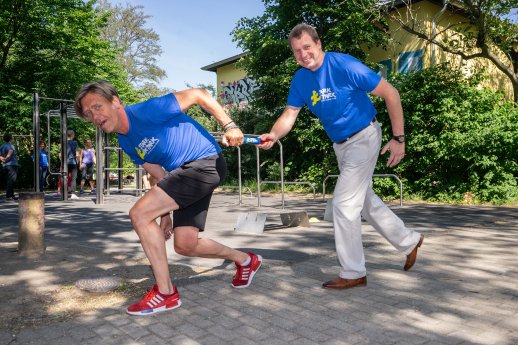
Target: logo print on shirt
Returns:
[[327, 94], [146, 146], [314, 98], [323, 95]]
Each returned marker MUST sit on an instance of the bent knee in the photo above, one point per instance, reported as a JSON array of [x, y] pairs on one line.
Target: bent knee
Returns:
[[137, 217], [185, 249]]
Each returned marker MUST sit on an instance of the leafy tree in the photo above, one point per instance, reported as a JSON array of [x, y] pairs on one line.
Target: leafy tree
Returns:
[[137, 46], [487, 31], [462, 139], [49, 46], [149, 90]]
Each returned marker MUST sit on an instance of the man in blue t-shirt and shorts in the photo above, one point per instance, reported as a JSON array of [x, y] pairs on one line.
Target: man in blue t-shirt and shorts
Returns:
[[335, 88], [159, 135]]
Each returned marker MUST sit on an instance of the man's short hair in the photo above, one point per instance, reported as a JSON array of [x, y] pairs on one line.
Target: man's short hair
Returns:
[[299, 29], [7, 137], [102, 88]]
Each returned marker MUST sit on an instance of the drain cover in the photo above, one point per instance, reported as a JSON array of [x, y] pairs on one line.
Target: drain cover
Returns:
[[101, 284]]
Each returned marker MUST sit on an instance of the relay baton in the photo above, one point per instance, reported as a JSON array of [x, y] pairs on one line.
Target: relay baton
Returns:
[[253, 140]]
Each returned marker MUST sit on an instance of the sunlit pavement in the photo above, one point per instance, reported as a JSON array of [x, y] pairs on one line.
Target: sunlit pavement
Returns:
[[462, 290]]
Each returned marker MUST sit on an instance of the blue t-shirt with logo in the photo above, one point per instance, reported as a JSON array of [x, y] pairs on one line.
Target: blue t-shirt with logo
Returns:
[[160, 133], [337, 93]]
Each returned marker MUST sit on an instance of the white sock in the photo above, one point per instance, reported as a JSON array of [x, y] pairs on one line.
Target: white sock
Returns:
[[246, 262]]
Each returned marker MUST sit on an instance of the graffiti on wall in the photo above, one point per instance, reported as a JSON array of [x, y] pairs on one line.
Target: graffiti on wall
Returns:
[[238, 92]]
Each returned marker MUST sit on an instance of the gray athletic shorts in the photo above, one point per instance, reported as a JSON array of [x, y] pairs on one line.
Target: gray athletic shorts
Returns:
[[191, 186]]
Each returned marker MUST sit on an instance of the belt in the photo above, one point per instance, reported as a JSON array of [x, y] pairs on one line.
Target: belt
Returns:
[[352, 135]]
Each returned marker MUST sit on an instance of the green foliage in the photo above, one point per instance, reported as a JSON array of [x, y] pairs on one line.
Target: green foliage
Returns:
[[462, 140], [51, 46], [137, 47]]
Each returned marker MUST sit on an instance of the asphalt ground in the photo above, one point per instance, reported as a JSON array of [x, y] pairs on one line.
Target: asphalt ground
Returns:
[[462, 290]]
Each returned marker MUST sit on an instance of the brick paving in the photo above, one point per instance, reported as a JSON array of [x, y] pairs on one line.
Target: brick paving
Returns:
[[462, 290]]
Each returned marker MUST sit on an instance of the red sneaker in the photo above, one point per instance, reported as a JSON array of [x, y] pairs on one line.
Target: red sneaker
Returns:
[[155, 302], [244, 274]]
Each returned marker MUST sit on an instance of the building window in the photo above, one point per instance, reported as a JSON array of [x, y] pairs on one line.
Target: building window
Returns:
[[411, 61], [385, 68]]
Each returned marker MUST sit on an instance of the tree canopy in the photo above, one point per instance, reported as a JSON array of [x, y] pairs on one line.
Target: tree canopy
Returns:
[[137, 46], [53, 47]]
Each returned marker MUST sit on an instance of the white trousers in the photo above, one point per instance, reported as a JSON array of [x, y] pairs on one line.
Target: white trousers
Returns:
[[353, 197]]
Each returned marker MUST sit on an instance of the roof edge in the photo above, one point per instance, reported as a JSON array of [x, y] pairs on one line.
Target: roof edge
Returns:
[[214, 66]]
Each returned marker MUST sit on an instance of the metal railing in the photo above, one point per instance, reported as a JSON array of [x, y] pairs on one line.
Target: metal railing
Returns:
[[240, 188], [312, 185]]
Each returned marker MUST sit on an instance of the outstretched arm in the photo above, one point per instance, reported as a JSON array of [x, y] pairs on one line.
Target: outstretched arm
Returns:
[[187, 98], [281, 128]]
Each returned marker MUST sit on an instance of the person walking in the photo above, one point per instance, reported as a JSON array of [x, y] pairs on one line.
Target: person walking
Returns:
[[159, 135], [87, 162], [43, 164], [10, 165], [71, 161], [335, 88]]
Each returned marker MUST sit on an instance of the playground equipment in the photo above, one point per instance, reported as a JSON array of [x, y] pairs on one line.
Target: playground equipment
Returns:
[[65, 111]]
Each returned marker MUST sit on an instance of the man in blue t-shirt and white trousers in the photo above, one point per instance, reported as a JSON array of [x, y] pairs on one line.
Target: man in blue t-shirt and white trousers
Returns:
[[335, 88], [159, 135]]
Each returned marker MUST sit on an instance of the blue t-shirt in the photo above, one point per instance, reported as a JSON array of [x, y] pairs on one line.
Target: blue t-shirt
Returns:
[[160, 133], [337, 93], [72, 152], [4, 150], [44, 159]]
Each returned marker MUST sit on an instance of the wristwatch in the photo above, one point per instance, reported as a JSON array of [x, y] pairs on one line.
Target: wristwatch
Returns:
[[399, 138]]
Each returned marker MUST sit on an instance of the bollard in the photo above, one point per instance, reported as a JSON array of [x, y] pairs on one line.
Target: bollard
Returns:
[[31, 223]]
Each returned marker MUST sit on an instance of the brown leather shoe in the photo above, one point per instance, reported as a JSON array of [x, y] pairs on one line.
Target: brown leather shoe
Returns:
[[341, 283], [410, 258]]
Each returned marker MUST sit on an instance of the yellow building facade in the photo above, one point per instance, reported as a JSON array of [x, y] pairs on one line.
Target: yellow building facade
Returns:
[[234, 87], [406, 52]]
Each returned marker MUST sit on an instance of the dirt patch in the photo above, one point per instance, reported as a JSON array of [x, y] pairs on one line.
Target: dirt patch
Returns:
[[41, 290]]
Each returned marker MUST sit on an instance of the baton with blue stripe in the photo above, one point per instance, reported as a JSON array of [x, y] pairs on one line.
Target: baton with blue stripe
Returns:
[[253, 140]]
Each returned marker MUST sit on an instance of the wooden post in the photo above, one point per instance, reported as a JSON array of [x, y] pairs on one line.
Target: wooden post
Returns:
[[31, 223]]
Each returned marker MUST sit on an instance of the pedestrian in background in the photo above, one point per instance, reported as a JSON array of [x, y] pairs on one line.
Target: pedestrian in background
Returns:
[[10, 165], [43, 164], [87, 162], [71, 160]]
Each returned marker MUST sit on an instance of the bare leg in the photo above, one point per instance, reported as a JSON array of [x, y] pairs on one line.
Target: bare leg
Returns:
[[187, 243], [143, 214]]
